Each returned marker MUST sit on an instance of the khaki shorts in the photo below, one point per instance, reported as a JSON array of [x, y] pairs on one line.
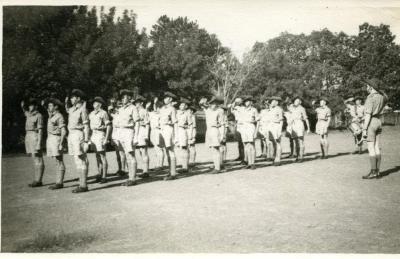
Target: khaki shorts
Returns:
[[125, 139], [297, 129], [97, 140], [142, 137], [31, 142], [192, 141], [213, 138], [182, 137], [248, 132], [156, 138], [322, 127], [167, 134], [75, 142], [263, 130], [374, 129], [275, 131], [52, 145]]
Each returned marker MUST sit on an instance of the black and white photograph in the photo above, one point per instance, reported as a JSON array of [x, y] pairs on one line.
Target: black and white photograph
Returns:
[[201, 127]]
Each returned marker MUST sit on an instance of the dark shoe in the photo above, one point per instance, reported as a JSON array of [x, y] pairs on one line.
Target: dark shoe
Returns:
[[372, 174], [98, 178], [184, 171], [248, 167], [144, 175], [129, 183], [277, 163], [238, 159], [215, 171], [252, 167], [56, 186], [35, 184], [80, 189], [378, 174], [103, 180], [299, 160], [121, 173], [356, 152], [169, 177]]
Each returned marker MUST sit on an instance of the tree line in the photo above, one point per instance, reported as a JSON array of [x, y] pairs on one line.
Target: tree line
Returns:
[[51, 50]]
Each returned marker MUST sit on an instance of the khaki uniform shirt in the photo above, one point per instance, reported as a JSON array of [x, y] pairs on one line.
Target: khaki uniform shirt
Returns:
[[127, 116], [154, 118], [298, 113], [99, 120], [183, 118], [55, 123], [77, 117], [276, 114], [34, 121], [323, 113], [167, 115], [214, 118], [374, 104]]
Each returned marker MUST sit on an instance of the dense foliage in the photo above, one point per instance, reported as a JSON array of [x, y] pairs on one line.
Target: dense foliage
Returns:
[[51, 50]]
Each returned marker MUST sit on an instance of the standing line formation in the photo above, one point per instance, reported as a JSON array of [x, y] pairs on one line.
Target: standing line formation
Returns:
[[133, 123]]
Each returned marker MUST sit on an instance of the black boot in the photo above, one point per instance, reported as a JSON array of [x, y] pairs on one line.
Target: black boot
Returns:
[[372, 174]]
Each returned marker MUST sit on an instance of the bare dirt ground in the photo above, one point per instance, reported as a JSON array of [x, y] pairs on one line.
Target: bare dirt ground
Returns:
[[317, 206]]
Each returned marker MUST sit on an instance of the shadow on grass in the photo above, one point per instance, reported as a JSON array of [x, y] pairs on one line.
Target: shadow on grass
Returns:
[[393, 170], [56, 242]]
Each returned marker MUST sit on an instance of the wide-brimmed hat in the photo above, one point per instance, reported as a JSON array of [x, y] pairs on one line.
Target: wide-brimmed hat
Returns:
[[277, 98], [248, 98], [348, 100], [358, 98], [374, 83], [216, 99], [323, 98], [298, 97], [99, 100], [78, 93], [184, 100], [140, 98], [169, 94], [125, 92], [54, 101], [33, 101]]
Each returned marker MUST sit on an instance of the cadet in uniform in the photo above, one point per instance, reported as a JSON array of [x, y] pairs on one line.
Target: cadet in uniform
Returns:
[[143, 134], [288, 116], [100, 126], [119, 153], [214, 120], [275, 128], [298, 117], [155, 133], [324, 119], [359, 111], [127, 133], [372, 127], [56, 133], [78, 138], [184, 125], [168, 124], [235, 107], [33, 138], [192, 131], [224, 132], [265, 120]]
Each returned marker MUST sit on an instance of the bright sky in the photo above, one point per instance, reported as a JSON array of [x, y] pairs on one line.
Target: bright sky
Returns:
[[240, 23]]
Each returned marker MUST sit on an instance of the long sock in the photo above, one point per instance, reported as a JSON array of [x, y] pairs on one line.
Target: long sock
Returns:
[[82, 179], [217, 159], [173, 165], [378, 161], [145, 163], [326, 147], [372, 160], [132, 170], [252, 153], [185, 157], [322, 147]]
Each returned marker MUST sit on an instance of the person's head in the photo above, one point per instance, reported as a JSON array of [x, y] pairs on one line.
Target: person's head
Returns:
[[113, 101], [358, 101], [372, 85], [248, 101], [266, 103], [214, 102], [53, 105], [297, 101], [139, 101], [169, 98], [76, 96], [184, 104], [126, 96], [98, 103], [238, 101], [322, 102], [32, 104], [275, 101]]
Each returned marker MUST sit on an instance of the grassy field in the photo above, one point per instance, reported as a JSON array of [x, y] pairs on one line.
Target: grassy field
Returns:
[[317, 206]]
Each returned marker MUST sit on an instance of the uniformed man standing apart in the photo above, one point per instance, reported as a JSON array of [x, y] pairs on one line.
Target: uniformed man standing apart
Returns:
[[372, 127], [155, 133], [119, 153], [127, 133], [299, 116], [182, 136], [250, 120], [223, 130], [275, 128], [289, 121], [168, 124], [100, 126], [321, 128], [56, 133], [192, 131], [214, 120], [143, 134], [78, 138], [33, 138]]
